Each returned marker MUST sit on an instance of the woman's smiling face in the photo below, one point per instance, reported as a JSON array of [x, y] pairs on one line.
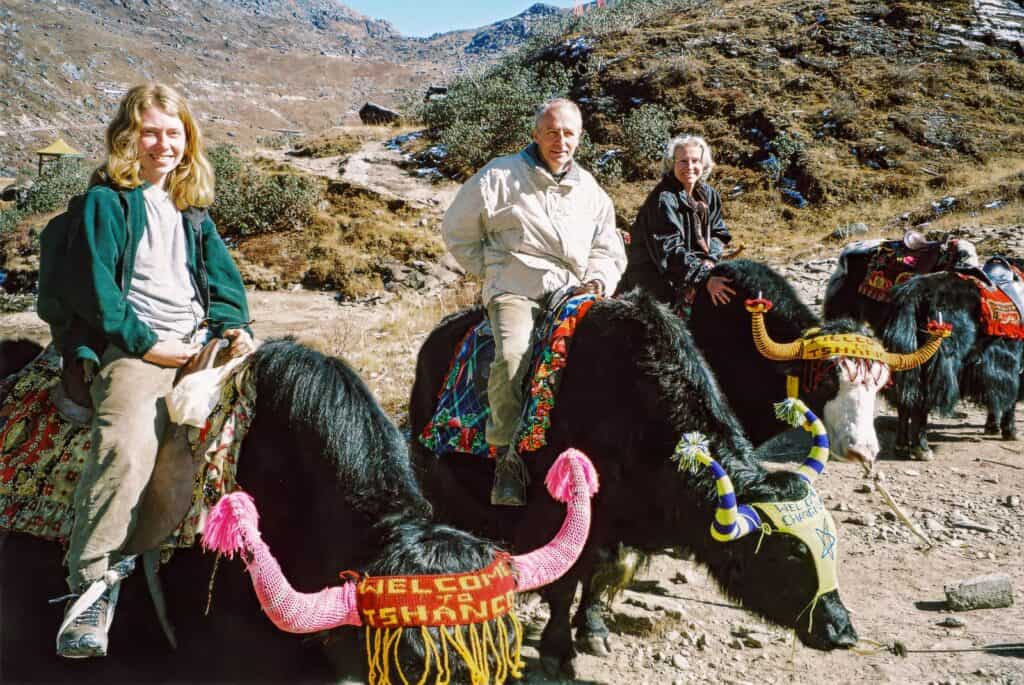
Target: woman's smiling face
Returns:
[[689, 165], [161, 145]]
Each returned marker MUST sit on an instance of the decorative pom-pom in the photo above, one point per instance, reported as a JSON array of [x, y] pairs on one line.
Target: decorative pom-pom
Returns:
[[692, 448], [560, 480], [791, 410], [228, 522]]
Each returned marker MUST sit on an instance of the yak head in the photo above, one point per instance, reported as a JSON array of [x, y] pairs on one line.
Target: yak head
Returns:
[[840, 370], [778, 556]]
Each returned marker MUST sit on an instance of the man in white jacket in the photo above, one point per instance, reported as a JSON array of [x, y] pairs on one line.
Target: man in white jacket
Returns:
[[528, 224]]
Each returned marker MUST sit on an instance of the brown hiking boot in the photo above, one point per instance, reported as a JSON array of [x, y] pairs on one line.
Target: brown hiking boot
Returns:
[[510, 480], [85, 635]]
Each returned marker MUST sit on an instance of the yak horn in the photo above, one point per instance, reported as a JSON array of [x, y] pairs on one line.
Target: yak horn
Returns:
[[232, 526], [794, 412], [904, 362], [731, 521], [573, 480], [776, 351]]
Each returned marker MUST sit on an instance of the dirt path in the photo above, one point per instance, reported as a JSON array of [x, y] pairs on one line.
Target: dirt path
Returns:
[[378, 168]]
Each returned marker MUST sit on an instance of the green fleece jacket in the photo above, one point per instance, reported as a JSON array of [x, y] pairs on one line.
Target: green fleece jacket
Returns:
[[92, 287]]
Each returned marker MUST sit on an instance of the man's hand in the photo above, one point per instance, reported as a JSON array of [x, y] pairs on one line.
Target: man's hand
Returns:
[[241, 342], [171, 353], [594, 287], [719, 291]]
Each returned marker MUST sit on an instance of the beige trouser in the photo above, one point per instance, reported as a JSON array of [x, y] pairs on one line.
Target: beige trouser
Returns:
[[511, 318], [128, 423]]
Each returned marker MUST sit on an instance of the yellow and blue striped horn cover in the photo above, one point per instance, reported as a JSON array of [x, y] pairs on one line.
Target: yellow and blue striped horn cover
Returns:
[[731, 521], [793, 411]]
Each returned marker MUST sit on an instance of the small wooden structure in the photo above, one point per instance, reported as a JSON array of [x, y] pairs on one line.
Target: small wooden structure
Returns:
[[58, 149]]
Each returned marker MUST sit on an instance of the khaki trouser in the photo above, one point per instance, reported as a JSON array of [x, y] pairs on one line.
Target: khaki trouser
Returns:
[[512, 318], [129, 420]]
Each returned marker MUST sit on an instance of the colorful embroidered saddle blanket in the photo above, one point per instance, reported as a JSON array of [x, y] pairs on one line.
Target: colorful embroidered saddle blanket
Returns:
[[892, 262], [460, 420], [42, 455], [1002, 303]]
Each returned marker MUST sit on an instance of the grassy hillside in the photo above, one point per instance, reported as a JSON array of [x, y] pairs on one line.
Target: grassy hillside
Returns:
[[868, 111]]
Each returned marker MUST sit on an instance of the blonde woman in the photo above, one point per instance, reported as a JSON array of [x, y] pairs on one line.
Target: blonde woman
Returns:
[[679, 233], [147, 279]]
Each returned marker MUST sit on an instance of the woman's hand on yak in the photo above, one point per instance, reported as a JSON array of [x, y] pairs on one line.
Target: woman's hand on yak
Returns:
[[719, 291], [171, 353]]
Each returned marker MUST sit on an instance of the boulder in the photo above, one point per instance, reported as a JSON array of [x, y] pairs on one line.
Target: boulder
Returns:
[[992, 591], [373, 114]]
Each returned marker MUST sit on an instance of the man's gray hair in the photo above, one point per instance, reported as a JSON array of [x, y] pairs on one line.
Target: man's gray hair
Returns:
[[689, 141], [555, 103]]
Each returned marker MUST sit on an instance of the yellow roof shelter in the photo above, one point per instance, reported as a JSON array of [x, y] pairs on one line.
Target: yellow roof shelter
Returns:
[[56, 150]]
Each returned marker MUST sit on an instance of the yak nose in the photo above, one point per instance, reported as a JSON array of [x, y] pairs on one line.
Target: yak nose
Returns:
[[843, 640]]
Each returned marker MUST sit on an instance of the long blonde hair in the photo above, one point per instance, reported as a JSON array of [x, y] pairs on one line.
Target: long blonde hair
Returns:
[[190, 184]]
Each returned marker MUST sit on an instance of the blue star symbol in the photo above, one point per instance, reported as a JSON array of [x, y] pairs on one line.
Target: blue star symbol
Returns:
[[828, 542]]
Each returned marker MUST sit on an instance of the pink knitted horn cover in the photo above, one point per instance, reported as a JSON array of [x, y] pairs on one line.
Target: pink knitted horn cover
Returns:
[[571, 479], [233, 526]]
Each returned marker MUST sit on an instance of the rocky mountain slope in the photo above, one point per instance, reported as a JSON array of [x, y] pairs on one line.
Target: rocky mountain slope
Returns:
[[250, 66]]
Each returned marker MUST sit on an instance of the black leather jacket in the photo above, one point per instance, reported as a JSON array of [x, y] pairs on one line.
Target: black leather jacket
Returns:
[[670, 243]]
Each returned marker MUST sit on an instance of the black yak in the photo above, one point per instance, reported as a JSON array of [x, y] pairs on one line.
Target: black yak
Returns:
[[634, 384], [843, 294], [840, 384], [971, 365], [332, 476]]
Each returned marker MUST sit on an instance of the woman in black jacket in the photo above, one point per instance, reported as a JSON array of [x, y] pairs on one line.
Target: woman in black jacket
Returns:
[[679, 234]]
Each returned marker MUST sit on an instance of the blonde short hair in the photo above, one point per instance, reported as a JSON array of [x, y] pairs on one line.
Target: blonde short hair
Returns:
[[689, 141], [191, 183]]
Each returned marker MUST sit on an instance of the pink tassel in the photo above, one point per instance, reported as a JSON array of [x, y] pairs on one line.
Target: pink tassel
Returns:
[[229, 523], [559, 479]]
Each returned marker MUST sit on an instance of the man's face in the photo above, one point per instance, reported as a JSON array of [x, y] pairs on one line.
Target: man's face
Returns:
[[557, 135]]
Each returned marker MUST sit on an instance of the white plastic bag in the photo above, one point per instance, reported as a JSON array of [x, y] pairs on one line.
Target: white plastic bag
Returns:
[[192, 400]]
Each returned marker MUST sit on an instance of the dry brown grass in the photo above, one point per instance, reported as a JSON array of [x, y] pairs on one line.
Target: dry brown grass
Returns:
[[383, 347], [337, 141]]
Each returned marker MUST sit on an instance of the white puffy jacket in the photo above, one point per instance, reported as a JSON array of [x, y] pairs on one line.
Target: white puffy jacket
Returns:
[[523, 232]]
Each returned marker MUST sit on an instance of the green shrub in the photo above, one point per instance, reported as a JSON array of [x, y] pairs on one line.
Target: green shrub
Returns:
[[789, 149], [622, 16], [605, 165], [490, 113], [250, 201], [9, 219], [58, 183], [645, 133]]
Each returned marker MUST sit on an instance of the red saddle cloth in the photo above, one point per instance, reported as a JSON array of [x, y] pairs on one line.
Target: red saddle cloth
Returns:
[[999, 315], [893, 263], [42, 455]]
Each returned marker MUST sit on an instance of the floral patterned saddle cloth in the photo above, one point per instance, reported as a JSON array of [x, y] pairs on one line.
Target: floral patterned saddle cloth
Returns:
[[459, 422], [42, 455]]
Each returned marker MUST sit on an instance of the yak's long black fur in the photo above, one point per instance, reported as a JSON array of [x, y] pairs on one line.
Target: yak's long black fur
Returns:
[[14, 354], [331, 477], [969, 365], [751, 382], [633, 385]]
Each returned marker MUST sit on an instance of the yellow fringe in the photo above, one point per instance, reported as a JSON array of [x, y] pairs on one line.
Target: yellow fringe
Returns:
[[479, 646]]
